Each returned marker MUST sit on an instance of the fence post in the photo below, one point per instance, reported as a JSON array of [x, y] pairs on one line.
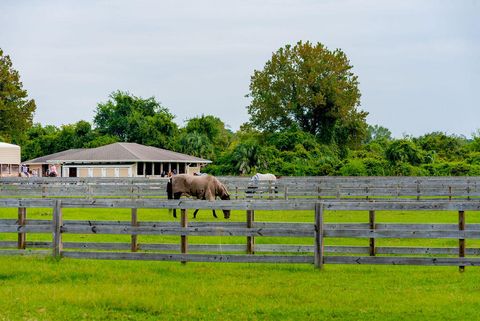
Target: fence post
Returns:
[[250, 239], [318, 259], [461, 242], [134, 220], [371, 220], [134, 238], [57, 244], [22, 217], [183, 237]]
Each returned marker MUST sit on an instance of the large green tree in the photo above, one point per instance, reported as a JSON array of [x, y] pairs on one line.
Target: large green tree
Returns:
[[16, 110], [135, 119], [41, 141], [211, 126], [377, 132], [312, 87], [204, 136], [196, 144]]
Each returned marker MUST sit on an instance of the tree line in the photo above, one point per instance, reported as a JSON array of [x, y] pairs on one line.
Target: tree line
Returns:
[[305, 119]]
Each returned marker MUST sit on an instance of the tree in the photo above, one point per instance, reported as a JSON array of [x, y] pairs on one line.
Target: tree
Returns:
[[134, 119], [445, 146], [377, 132], [249, 157], [16, 110], [210, 126], [475, 145], [40, 141], [312, 87], [196, 144], [287, 139], [404, 151], [204, 136]]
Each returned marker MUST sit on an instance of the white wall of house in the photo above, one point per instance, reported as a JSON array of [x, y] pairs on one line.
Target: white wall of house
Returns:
[[100, 170], [126, 170], [9, 159]]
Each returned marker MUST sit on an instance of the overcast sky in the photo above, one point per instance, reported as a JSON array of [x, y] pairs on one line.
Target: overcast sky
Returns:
[[418, 62]]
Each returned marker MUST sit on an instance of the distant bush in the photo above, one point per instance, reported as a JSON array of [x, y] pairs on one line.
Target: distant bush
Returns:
[[354, 167], [404, 151], [474, 158], [452, 169], [406, 169], [375, 167]]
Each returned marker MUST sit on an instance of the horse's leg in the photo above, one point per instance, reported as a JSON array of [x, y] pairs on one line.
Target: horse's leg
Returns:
[[177, 197], [210, 196], [170, 196], [195, 213]]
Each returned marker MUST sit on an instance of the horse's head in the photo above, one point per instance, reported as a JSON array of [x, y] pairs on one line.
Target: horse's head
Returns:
[[226, 214]]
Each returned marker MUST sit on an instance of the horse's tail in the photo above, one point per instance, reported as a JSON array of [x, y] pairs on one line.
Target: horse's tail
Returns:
[[169, 193]]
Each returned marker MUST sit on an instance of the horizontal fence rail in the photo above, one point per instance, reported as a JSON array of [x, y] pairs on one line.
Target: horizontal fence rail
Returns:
[[148, 194], [244, 187]]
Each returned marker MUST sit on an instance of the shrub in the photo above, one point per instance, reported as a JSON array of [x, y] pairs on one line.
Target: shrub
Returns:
[[474, 158], [406, 169], [375, 167], [404, 151], [354, 167]]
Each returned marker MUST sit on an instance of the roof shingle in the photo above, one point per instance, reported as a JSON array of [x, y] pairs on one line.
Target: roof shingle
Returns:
[[119, 152]]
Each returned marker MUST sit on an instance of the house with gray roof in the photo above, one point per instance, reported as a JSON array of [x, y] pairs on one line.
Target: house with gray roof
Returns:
[[117, 160]]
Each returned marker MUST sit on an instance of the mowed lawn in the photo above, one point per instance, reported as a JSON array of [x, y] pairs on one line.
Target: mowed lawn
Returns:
[[43, 289], [39, 288]]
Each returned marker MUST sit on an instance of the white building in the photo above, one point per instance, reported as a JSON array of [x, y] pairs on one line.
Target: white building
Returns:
[[9, 160], [117, 160]]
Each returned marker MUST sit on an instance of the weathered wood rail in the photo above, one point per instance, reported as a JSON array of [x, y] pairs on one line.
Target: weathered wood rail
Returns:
[[239, 187], [316, 194], [316, 232]]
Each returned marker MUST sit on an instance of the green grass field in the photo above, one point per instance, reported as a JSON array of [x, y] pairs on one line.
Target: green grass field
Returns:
[[43, 289], [38, 288]]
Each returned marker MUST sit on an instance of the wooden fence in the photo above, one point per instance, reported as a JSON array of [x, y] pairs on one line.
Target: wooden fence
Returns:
[[461, 198], [324, 187]]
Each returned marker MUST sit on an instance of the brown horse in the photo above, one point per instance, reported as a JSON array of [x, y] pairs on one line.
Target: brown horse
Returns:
[[204, 187]]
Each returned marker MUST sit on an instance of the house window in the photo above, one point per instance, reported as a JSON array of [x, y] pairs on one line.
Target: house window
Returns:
[[5, 169], [72, 172], [90, 172], [181, 168], [148, 169], [15, 169], [140, 169]]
